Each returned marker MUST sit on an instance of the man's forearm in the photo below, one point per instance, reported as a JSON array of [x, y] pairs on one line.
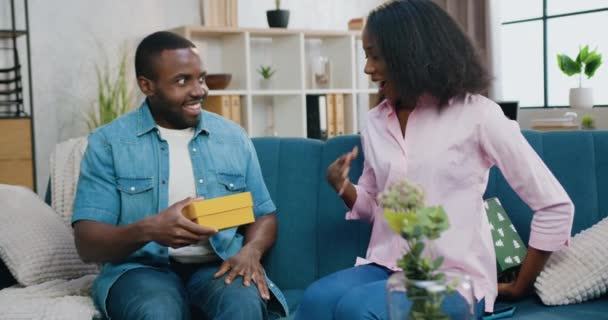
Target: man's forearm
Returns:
[[100, 242], [261, 235], [530, 269]]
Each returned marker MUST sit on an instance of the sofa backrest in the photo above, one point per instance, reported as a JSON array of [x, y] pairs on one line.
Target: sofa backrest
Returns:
[[315, 240], [577, 160]]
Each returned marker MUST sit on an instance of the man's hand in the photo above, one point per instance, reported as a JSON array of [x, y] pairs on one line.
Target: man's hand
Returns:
[[172, 229], [337, 173], [246, 264], [510, 291]]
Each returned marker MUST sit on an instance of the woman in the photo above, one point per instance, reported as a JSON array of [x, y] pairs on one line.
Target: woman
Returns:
[[435, 130]]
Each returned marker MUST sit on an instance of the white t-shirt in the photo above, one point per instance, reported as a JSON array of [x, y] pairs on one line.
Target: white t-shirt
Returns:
[[181, 186]]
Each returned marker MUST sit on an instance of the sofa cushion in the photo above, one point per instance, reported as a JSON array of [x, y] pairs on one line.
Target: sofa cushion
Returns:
[[577, 160], [579, 272], [339, 241], [533, 309], [34, 242], [290, 168], [508, 246]]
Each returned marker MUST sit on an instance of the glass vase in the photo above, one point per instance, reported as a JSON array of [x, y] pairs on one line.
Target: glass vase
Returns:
[[448, 298]]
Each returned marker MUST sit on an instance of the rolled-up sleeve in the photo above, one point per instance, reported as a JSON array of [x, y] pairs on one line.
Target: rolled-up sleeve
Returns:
[[97, 197], [365, 206], [504, 145]]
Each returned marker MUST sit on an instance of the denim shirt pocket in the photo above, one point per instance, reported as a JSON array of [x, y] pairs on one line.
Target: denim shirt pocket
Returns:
[[134, 186], [231, 182], [136, 198]]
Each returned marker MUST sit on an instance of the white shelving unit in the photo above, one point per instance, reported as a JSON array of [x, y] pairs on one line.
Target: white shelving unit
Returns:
[[281, 108]]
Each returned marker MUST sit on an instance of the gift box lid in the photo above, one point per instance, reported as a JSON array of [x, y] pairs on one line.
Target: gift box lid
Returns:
[[207, 207]]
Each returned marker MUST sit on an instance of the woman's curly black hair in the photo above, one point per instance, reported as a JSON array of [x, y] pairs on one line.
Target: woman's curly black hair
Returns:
[[425, 51]]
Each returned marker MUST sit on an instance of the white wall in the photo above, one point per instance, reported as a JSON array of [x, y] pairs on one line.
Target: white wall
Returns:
[[69, 37], [307, 14]]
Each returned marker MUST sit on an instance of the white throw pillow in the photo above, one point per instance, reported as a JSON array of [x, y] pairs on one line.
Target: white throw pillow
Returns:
[[577, 273], [35, 244]]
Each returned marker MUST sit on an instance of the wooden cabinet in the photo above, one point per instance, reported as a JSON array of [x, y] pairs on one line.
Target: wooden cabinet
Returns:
[[16, 161]]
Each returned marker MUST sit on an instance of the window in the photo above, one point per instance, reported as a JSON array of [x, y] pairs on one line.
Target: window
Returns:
[[534, 32]]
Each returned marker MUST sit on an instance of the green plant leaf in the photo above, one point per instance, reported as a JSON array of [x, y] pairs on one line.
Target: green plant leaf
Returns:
[[592, 64], [567, 65], [437, 263], [582, 54], [417, 249], [114, 97]]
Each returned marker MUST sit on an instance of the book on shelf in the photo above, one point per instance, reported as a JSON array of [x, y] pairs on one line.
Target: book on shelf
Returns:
[[325, 116], [235, 109], [316, 118], [331, 116], [339, 116], [226, 106], [219, 13]]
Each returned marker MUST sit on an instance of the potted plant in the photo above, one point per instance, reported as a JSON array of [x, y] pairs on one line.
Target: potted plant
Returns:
[[422, 281], [266, 72], [114, 95], [588, 122], [277, 18], [586, 62]]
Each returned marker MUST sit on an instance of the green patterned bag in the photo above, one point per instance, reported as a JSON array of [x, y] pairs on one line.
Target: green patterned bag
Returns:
[[510, 249]]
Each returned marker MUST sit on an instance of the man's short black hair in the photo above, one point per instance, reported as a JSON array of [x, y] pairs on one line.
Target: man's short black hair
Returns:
[[151, 46], [425, 51]]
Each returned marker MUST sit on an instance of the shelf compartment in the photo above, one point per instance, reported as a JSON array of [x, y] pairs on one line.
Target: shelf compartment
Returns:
[[281, 116], [223, 53], [338, 51], [283, 53]]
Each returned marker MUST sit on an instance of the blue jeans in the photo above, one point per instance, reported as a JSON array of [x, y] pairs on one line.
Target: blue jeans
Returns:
[[146, 293], [357, 293]]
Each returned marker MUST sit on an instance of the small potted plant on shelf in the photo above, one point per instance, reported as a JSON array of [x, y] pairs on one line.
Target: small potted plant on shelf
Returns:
[[586, 62], [266, 72], [277, 18], [422, 281], [588, 122]]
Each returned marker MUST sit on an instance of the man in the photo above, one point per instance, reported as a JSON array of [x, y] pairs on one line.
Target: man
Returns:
[[141, 170]]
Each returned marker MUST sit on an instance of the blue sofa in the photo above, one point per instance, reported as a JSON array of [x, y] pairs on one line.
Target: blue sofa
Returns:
[[315, 240]]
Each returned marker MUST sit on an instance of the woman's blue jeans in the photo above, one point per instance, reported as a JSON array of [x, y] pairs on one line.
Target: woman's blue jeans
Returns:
[[358, 293]]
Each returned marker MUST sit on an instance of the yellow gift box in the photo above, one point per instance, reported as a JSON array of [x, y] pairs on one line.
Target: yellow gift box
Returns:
[[223, 212]]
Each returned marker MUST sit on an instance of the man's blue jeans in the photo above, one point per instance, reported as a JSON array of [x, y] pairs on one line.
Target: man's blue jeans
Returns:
[[147, 293], [358, 293]]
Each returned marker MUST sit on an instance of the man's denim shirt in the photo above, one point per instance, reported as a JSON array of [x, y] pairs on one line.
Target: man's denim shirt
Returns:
[[124, 178]]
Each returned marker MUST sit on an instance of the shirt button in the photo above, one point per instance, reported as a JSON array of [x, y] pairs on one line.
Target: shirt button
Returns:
[[271, 285], [162, 148], [231, 185], [201, 180], [132, 188], [163, 182], [193, 149]]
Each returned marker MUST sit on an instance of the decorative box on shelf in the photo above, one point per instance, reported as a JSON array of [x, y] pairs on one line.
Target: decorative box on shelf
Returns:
[[567, 122]]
